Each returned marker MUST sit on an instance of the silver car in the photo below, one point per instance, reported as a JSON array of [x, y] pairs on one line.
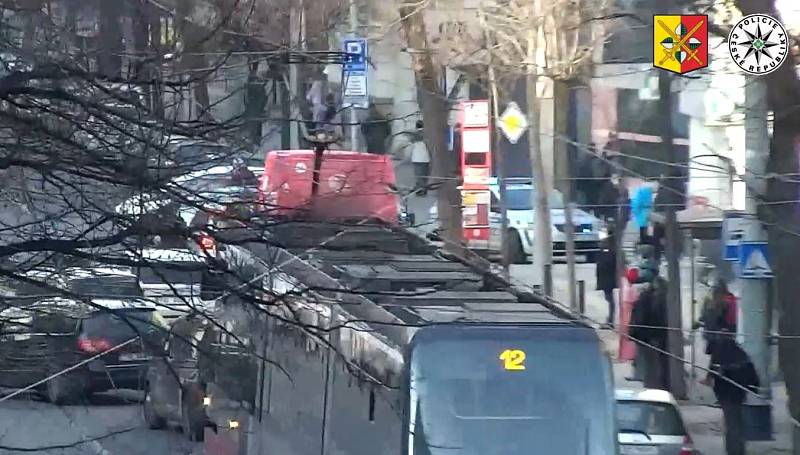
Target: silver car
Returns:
[[651, 424]]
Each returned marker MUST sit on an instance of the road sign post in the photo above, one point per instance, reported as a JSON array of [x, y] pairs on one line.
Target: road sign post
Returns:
[[355, 87], [354, 76], [733, 229], [512, 123], [754, 261], [754, 324]]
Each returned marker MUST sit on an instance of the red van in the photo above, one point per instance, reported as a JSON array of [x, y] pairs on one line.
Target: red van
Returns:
[[352, 185]]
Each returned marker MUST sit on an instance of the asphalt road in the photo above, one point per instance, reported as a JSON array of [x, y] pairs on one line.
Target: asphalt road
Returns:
[[110, 424]]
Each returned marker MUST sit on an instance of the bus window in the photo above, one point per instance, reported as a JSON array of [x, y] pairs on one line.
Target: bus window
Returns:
[[469, 395]]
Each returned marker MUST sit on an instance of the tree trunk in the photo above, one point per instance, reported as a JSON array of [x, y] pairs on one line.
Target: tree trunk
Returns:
[[141, 37], [254, 102], [109, 41], [194, 39], [677, 385], [433, 103], [154, 74], [783, 218]]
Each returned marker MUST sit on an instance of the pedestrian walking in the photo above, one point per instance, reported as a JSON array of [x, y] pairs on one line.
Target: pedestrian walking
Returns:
[[649, 324], [648, 267], [608, 196], [735, 375], [376, 131], [601, 169], [606, 275], [618, 199], [719, 315], [646, 271], [241, 175], [421, 160]]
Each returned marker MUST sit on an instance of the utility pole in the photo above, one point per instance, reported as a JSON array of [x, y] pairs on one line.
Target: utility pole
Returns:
[[677, 383], [498, 158], [543, 243], [297, 40], [755, 320], [569, 229], [353, 118]]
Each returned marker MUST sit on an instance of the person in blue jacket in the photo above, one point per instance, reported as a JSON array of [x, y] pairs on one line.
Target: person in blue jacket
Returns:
[[641, 207]]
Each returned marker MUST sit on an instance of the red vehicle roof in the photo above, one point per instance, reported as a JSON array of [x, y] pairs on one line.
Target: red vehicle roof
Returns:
[[352, 186]]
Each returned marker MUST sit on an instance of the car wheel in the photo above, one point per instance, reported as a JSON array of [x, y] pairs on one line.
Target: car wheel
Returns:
[[65, 389], [191, 425], [151, 417], [516, 251]]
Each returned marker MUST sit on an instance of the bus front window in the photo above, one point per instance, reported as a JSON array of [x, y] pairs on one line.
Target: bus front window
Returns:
[[465, 400]]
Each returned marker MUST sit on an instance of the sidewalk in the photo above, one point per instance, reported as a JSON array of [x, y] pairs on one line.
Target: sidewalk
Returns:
[[704, 421]]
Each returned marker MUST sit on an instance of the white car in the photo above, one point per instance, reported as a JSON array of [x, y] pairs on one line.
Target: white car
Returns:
[[114, 283], [589, 230], [650, 424], [208, 189]]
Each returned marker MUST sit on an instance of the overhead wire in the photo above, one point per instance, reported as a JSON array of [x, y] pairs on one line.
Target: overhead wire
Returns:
[[586, 149], [557, 303]]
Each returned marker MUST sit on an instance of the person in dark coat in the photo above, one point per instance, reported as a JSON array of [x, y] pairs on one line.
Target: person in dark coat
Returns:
[[376, 130], [736, 375], [648, 329], [606, 274], [618, 198], [241, 175], [719, 314]]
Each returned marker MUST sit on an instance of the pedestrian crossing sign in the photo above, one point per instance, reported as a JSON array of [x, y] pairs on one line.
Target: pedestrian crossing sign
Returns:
[[754, 261]]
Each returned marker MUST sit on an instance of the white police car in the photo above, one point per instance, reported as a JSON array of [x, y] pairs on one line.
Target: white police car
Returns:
[[589, 230]]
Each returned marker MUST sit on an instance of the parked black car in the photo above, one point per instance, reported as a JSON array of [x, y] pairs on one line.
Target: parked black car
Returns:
[[110, 346]]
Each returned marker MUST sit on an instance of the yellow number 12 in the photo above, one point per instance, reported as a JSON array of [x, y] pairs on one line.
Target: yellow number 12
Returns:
[[513, 359]]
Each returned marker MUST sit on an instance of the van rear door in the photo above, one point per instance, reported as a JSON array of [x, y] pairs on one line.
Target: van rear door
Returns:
[[352, 185], [356, 186], [287, 180]]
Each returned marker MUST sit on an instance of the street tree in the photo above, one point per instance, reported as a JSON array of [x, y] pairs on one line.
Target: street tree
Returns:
[[780, 210], [433, 103], [545, 43]]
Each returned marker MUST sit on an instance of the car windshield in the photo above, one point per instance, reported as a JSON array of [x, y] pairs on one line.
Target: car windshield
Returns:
[[473, 395], [120, 325], [106, 286], [650, 418], [167, 275], [521, 199]]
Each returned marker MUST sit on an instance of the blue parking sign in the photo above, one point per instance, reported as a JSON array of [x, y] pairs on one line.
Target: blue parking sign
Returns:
[[356, 61]]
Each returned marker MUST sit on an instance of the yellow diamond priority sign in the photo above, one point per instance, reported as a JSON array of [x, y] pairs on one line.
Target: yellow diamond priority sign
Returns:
[[513, 123]]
